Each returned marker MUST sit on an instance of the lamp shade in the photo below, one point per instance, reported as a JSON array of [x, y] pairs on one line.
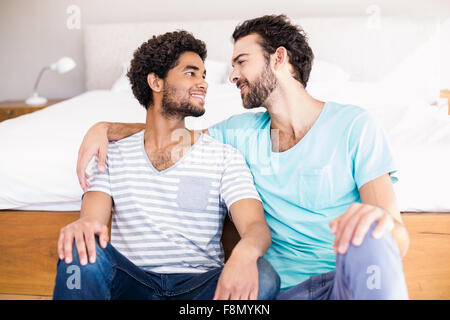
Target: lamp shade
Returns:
[[63, 65]]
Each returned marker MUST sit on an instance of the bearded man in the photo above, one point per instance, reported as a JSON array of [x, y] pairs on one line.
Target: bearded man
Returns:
[[170, 189]]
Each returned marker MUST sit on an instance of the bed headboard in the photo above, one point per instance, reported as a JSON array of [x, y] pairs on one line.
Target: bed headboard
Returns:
[[364, 47]]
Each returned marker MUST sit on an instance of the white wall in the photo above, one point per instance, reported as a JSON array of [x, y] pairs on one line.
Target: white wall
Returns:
[[34, 33]]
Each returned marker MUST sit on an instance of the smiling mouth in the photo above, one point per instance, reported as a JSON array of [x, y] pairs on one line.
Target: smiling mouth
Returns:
[[242, 86], [198, 96]]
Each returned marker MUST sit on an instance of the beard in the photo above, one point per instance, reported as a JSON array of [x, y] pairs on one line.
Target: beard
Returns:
[[174, 106], [258, 92]]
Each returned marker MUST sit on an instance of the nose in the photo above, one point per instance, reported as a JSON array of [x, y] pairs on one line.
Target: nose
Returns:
[[234, 76], [203, 84]]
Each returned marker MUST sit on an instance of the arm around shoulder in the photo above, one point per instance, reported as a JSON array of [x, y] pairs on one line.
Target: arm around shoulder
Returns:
[[95, 143], [118, 130]]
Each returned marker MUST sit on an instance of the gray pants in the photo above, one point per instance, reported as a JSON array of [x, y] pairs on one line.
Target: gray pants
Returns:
[[370, 271]]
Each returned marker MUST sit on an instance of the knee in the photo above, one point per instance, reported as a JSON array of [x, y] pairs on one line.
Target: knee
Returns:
[[101, 262], [269, 280], [372, 251], [375, 247], [373, 270], [90, 281]]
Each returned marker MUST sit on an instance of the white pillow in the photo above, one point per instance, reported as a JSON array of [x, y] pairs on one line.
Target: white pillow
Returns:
[[418, 76], [323, 71], [122, 84], [368, 95], [326, 80]]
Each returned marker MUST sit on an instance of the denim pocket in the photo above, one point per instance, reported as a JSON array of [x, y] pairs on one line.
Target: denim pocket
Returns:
[[314, 187]]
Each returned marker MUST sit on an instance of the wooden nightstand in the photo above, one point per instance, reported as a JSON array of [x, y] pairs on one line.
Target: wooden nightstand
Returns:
[[13, 109]]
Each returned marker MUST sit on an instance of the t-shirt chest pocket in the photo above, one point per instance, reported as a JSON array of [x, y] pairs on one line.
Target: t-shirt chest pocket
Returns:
[[193, 193], [314, 187]]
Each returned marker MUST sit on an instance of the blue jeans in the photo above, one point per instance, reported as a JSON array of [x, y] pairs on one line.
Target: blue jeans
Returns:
[[113, 276], [371, 271]]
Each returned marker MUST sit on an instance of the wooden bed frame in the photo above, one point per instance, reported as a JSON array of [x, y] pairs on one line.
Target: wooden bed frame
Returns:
[[28, 254]]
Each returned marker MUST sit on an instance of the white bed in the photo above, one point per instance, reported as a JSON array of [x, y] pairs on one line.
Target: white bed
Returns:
[[39, 150]]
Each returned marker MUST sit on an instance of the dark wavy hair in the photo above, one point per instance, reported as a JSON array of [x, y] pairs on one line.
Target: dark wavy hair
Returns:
[[158, 55], [276, 31]]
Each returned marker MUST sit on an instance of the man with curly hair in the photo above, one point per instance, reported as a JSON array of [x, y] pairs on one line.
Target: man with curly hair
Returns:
[[170, 189], [322, 169]]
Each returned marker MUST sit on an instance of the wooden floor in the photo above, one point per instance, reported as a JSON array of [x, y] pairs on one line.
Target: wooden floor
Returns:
[[22, 297], [28, 254]]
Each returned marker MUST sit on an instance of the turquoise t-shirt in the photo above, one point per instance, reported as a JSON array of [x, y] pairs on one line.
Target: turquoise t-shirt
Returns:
[[307, 186]]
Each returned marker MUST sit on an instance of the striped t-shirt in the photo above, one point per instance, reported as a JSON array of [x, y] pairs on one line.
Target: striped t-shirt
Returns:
[[171, 221]]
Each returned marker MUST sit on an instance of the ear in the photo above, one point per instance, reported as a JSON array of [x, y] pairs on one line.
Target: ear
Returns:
[[280, 57], [155, 82]]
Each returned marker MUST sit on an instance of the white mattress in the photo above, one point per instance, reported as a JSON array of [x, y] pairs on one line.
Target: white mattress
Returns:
[[39, 150], [419, 134], [420, 137]]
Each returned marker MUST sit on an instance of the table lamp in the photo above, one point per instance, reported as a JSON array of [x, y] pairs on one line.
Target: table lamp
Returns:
[[63, 65]]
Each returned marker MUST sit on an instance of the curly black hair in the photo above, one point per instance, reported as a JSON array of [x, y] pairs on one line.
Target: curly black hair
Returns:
[[158, 55], [276, 31]]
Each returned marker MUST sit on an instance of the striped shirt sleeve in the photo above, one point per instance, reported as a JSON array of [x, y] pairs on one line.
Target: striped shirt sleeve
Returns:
[[237, 181], [99, 181]]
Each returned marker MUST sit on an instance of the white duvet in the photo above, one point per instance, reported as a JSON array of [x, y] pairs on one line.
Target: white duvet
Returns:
[[38, 151]]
